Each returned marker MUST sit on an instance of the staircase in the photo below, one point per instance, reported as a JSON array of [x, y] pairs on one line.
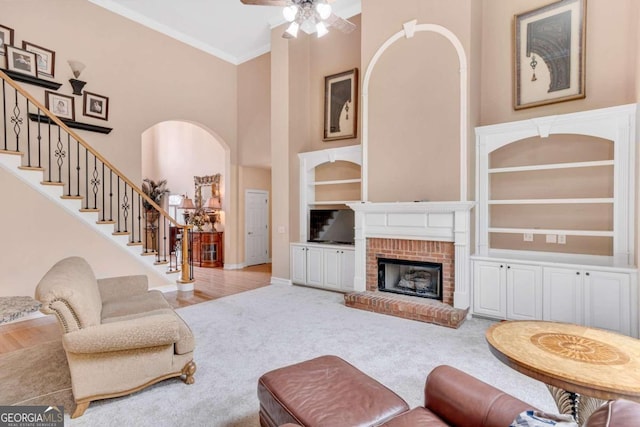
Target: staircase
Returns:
[[42, 151]]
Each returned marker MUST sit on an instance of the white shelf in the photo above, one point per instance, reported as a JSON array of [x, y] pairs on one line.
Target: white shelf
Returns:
[[552, 201], [553, 166], [590, 233], [337, 182]]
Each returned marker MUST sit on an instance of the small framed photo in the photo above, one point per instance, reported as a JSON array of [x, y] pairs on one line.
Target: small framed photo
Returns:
[[21, 61], [549, 54], [45, 58], [341, 105], [96, 106], [60, 105], [6, 38]]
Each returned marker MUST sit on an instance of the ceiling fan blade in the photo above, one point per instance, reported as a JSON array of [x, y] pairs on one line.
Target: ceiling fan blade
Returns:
[[341, 24], [266, 2]]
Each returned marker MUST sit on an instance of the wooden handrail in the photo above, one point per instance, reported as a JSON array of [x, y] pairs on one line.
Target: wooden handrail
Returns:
[[88, 147]]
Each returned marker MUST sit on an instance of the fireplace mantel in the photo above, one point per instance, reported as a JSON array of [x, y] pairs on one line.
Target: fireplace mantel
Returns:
[[433, 221]]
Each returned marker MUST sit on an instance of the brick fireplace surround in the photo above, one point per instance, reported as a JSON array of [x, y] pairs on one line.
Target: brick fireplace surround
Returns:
[[427, 231]]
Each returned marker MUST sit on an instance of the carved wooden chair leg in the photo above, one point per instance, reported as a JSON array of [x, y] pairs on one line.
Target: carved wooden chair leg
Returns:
[[188, 371], [80, 408]]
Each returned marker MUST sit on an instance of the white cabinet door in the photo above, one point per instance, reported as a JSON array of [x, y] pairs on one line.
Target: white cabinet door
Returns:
[[562, 295], [299, 264], [607, 301], [524, 292], [332, 268], [347, 269], [314, 266], [489, 289]]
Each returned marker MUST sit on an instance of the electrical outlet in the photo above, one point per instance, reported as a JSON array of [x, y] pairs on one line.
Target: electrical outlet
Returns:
[[562, 239], [527, 237], [551, 238]]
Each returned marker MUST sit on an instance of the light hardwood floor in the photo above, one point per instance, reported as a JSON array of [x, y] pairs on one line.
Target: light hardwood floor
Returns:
[[211, 283]]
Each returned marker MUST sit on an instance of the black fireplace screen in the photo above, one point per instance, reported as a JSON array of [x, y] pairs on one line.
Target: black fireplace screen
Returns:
[[416, 278]]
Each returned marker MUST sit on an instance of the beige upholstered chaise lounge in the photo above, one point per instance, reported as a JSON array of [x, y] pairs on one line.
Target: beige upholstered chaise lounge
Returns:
[[119, 337]]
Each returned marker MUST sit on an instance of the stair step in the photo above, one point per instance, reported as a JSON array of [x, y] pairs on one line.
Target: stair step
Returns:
[[121, 233], [55, 184], [161, 262], [173, 271], [106, 221], [72, 197], [89, 210], [16, 153], [135, 244], [154, 253], [31, 168]]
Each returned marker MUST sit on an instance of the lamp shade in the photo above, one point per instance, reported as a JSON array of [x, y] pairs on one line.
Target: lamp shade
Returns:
[[212, 203], [187, 203]]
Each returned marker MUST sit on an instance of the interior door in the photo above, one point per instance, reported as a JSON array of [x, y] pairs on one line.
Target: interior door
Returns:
[[256, 227]]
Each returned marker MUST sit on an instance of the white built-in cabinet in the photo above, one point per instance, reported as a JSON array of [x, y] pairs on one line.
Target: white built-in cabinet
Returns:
[[597, 290], [326, 266]]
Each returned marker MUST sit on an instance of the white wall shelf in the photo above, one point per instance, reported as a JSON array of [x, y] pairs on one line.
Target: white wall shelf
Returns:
[[332, 202], [337, 182], [587, 201], [569, 165]]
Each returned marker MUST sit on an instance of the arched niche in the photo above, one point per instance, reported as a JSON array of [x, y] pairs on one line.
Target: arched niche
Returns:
[[409, 30]]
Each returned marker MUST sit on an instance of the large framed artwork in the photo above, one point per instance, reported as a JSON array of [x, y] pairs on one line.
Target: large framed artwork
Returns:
[[341, 105], [549, 54]]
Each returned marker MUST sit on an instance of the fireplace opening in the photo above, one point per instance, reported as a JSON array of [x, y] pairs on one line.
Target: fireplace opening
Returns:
[[415, 278]]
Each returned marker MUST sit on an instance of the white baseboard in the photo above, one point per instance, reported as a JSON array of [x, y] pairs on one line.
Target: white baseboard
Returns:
[[166, 288], [234, 266], [280, 281]]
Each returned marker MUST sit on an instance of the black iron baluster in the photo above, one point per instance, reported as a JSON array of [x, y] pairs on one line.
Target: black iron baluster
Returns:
[[78, 168], [165, 245], [139, 218], [86, 177], [125, 209], [49, 154], [118, 229], [39, 140], [68, 164], [110, 195], [28, 138], [95, 182], [103, 190], [17, 121], [60, 155]]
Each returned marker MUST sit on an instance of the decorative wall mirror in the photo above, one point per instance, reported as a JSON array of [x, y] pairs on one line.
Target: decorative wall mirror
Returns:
[[206, 187]]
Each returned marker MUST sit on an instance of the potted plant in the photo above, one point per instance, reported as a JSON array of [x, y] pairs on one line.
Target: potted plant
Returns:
[[155, 191]]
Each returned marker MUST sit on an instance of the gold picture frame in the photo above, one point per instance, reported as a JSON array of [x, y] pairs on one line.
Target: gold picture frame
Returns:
[[341, 105], [550, 54]]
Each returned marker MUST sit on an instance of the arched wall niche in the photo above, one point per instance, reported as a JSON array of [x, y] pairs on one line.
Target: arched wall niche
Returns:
[[425, 155]]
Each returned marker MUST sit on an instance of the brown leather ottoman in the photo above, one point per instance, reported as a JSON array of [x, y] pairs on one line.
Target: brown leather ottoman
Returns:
[[326, 391]]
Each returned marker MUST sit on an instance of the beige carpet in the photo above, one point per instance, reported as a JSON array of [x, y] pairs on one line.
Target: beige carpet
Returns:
[[36, 375]]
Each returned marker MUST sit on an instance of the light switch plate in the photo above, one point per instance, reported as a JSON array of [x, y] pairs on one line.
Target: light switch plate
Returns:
[[527, 237], [551, 238]]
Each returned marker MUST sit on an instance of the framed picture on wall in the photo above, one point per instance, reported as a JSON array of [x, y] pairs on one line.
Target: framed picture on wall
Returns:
[[6, 38], [96, 106], [549, 54], [21, 61], [60, 105], [45, 58], [341, 105]]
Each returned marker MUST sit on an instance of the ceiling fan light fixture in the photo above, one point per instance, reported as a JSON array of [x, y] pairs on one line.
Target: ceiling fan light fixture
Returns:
[[321, 29], [293, 29], [324, 10], [290, 12]]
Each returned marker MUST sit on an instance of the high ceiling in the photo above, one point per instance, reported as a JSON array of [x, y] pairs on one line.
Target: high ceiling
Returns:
[[227, 29]]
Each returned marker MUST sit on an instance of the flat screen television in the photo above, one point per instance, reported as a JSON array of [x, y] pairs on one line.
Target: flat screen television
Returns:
[[331, 226]]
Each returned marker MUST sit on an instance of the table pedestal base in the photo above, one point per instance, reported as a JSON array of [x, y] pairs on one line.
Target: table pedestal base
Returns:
[[578, 406]]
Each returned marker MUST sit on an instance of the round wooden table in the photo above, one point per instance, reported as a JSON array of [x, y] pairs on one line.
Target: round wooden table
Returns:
[[581, 366]]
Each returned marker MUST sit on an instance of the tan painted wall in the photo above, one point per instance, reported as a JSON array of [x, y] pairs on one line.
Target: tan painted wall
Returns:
[[612, 52], [254, 113], [148, 77]]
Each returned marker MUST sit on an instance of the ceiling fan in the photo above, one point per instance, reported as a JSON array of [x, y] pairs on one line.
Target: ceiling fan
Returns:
[[309, 15]]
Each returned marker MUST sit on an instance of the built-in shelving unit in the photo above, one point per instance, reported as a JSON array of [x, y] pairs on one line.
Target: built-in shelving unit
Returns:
[[555, 240]]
